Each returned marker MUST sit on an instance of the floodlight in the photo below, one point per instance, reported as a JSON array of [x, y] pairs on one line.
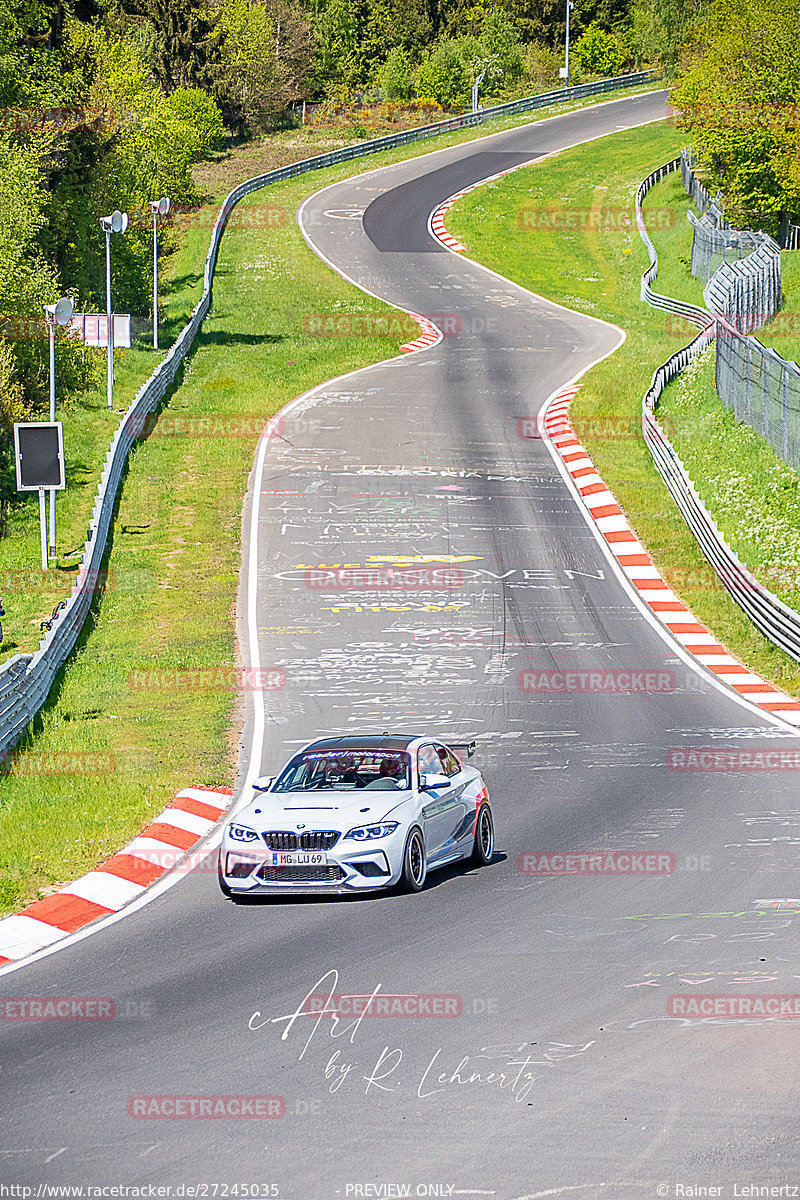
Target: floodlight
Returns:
[[62, 312], [117, 222]]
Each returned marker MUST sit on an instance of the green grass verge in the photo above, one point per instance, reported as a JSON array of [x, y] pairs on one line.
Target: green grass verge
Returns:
[[28, 593], [665, 207], [105, 755], [753, 496], [596, 268]]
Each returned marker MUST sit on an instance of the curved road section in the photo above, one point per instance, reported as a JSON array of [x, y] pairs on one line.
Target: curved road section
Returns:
[[542, 1033]]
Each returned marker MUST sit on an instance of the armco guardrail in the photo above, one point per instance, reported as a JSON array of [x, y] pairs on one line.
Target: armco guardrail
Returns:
[[770, 615], [692, 312], [25, 680]]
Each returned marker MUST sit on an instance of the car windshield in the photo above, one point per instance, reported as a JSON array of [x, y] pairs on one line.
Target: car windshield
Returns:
[[346, 770]]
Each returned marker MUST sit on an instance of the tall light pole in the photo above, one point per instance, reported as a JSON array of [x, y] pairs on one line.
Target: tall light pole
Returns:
[[570, 6], [55, 314], [159, 208], [116, 223]]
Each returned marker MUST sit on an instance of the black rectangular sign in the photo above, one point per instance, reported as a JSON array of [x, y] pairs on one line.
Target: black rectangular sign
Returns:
[[39, 455]]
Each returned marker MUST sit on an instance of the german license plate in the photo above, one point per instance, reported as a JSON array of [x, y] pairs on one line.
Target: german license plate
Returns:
[[315, 858]]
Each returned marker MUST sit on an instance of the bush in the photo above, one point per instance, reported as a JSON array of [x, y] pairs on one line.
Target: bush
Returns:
[[395, 77], [442, 75], [598, 52], [540, 68], [198, 110]]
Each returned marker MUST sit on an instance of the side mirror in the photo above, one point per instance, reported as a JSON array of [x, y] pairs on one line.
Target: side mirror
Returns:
[[429, 781], [264, 783]]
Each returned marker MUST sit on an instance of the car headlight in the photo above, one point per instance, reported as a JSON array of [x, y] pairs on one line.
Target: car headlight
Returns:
[[240, 833], [366, 833]]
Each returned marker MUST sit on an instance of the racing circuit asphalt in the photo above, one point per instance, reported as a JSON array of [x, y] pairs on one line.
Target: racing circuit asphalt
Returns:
[[563, 982]]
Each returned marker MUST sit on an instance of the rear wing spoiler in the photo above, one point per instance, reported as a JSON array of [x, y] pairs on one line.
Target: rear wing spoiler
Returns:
[[463, 749]]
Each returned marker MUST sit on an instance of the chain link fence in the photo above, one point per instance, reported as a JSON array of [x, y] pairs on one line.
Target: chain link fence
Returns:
[[776, 390], [762, 388], [715, 244], [747, 293]]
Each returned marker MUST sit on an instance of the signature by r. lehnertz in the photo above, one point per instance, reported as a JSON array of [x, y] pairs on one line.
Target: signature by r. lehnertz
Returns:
[[391, 1071]]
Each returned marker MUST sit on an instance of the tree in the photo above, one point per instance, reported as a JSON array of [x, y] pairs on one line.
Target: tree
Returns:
[[395, 76], [339, 34], [264, 55], [598, 53], [737, 94], [395, 25], [27, 281], [493, 50], [660, 30], [198, 111], [442, 75], [185, 43]]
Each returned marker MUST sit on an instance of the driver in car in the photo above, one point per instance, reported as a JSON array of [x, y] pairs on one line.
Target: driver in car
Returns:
[[388, 774]]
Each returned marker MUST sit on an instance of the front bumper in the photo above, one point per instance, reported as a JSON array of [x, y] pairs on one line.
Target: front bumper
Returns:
[[362, 868]]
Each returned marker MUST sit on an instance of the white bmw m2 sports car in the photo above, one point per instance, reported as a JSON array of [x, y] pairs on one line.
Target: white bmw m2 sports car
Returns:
[[354, 814]]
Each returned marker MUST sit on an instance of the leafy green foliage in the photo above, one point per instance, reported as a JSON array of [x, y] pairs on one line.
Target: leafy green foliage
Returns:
[[197, 110], [660, 30], [184, 43], [395, 76], [599, 53], [738, 95], [493, 50], [27, 281], [442, 74], [264, 55]]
